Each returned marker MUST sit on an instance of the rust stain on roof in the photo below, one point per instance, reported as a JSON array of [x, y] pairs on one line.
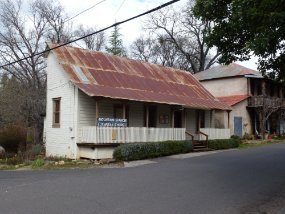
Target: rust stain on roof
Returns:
[[233, 100], [121, 78]]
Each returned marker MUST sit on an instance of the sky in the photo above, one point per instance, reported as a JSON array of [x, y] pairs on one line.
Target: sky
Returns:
[[110, 11]]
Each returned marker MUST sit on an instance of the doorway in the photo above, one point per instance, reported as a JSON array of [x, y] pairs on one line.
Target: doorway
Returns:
[[177, 119], [152, 116], [238, 126]]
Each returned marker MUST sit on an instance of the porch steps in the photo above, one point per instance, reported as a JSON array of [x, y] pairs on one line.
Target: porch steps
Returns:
[[200, 146]]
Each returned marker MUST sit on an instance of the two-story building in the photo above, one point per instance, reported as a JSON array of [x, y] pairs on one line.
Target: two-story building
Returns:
[[254, 99]]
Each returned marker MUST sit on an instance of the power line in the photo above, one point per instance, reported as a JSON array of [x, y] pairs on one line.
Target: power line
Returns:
[[120, 7], [67, 20], [96, 32]]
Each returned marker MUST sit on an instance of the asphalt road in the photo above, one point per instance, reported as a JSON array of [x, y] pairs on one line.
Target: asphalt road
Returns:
[[239, 181]]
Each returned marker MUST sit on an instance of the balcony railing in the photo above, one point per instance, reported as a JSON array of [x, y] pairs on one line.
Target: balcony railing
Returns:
[[260, 101]]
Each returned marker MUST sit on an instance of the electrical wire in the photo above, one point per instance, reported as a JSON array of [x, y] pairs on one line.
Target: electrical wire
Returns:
[[67, 20], [120, 7], [96, 32]]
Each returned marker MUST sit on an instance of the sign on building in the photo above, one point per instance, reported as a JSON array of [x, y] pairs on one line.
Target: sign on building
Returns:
[[112, 122]]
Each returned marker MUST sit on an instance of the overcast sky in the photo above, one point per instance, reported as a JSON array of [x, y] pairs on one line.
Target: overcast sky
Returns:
[[109, 11]]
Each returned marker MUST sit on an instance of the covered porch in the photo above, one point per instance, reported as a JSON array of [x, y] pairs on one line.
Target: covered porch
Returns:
[[135, 122]]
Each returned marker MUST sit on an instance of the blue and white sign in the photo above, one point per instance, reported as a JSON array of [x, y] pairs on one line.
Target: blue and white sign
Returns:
[[112, 122]]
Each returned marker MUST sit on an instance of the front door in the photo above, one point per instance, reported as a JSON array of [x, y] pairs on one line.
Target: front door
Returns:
[[238, 126]]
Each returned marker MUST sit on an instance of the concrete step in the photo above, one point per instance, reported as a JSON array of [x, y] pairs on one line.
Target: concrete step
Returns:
[[201, 149], [199, 146]]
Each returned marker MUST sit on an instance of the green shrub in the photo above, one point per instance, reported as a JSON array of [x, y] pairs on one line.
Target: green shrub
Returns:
[[224, 143], [235, 137], [11, 137], [38, 163], [139, 151]]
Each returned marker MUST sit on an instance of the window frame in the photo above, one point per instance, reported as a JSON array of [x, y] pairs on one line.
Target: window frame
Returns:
[[54, 112]]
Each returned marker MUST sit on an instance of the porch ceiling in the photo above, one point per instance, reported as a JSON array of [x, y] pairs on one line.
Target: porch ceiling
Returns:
[[100, 74]]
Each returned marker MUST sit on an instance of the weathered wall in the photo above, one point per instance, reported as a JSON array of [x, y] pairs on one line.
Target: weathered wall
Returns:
[[239, 110], [227, 86]]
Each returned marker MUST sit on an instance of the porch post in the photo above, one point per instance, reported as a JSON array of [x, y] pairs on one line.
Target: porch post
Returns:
[[211, 115], [146, 116], [185, 118], [228, 119], [96, 111], [124, 111], [249, 92], [199, 120], [172, 119]]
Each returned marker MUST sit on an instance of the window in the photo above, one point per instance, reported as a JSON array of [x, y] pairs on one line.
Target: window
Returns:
[[56, 113], [119, 112]]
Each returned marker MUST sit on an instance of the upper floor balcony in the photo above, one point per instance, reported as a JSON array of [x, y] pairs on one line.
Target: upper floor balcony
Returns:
[[265, 101]]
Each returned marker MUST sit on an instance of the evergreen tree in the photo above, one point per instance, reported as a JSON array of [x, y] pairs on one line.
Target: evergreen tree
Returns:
[[115, 46], [245, 28]]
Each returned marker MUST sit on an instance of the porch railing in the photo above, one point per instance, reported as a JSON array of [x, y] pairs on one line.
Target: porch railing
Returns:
[[101, 135], [214, 133]]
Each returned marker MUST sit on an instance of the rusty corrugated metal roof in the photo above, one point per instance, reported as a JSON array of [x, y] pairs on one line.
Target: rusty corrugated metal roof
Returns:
[[100, 74], [232, 100], [225, 71]]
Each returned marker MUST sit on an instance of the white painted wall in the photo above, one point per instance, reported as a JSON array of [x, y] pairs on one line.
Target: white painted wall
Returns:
[[227, 86], [208, 119], [60, 141], [87, 110], [191, 121], [136, 114]]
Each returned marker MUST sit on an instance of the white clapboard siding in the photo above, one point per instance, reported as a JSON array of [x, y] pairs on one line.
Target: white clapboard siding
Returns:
[[95, 134], [215, 133]]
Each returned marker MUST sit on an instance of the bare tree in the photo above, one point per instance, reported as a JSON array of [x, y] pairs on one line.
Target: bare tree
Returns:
[[268, 107], [158, 51], [59, 28], [22, 34], [95, 42], [186, 33], [144, 49]]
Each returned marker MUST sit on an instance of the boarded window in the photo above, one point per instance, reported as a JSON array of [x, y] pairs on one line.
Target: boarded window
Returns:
[[56, 113]]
